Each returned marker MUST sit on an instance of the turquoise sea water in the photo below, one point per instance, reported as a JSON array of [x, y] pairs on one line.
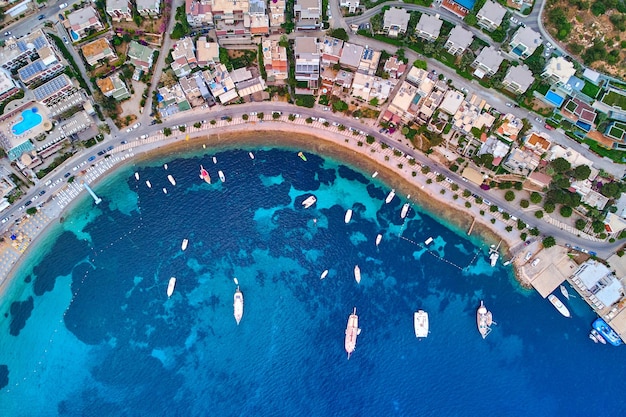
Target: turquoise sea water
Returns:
[[88, 328]]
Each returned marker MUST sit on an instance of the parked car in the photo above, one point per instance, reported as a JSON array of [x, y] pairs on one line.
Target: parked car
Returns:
[[130, 129], [136, 125], [65, 41], [145, 136], [7, 33], [93, 157], [42, 192], [62, 6], [41, 17], [67, 174], [124, 142], [28, 203], [61, 17], [224, 118], [110, 148]]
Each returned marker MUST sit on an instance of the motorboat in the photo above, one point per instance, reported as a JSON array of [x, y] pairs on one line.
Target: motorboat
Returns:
[[170, 287], [379, 239], [564, 291], [324, 274], [559, 305], [171, 180], [165, 166], [137, 176], [251, 155], [238, 305], [375, 174], [348, 216], [214, 160], [204, 174], [420, 323], [597, 336], [357, 274], [593, 337], [309, 201], [302, 156], [221, 175], [484, 320], [184, 245], [390, 196], [405, 210], [164, 190], [352, 332], [148, 184], [428, 241]]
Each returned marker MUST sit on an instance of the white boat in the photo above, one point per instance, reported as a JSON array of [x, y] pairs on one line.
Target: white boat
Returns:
[[420, 323], [352, 332], [379, 239], [165, 166], [238, 305], [405, 210], [357, 274], [324, 274], [184, 245], [137, 176], [597, 336], [390, 196], [171, 180], [348, 216], [559, 305], [309, 201], [204, 174], [593, 337], [221, 175], [484, 320], [428, 241], [375, 174], [214, 160], [170, 287], [251, 155], [164, 190], [236, 281], [564, 291], [148, 184]]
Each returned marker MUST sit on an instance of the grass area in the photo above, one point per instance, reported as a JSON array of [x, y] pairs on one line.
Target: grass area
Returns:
[[613, 154], [616, 132], [613, 98], [590, 90]]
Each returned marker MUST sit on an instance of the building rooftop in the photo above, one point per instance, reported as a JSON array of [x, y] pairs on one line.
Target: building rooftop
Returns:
[[490, 57], [460, 37], [396, 17], [452, 101], [351, 55], [305, 45], [492, 11], [527, 37], [429, 24], [521, 76], [561, 68]]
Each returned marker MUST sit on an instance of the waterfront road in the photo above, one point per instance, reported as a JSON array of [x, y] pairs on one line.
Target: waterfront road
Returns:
[[604, 249]]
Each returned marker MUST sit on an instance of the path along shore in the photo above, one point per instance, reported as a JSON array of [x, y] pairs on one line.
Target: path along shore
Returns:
[[397, 171]]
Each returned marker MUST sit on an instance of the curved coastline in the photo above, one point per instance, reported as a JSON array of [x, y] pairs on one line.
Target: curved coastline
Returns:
[[308, 139]]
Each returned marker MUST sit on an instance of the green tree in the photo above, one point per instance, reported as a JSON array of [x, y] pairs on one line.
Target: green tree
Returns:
[[611, 190], [260, 115], [524, 203], [167, 131], [275, 115], [197, 125], [582, 172], [566, 211], [339, 33], [549, 207], [561, 165], [539, 214], [509, 196], [535, 198], [245, 116], [580, 224], [425, 169], [548, 242], [31, 211]]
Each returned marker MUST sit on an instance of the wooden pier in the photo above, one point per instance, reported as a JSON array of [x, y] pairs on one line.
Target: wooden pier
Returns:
[[469, 232]]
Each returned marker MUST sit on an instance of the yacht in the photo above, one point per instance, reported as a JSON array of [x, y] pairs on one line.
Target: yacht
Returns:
[[171, 180], [405, 210], [148, 184], [324, 274], [309, 201], [420, 323], [559, 305], [484, 319], [238, 305], [348, 216], [184, 245], [352, 332], [170, 287], [379, 239], [221, 175], [357, 274], [390, 196], [137, 176], [204, 174], [493, 256]]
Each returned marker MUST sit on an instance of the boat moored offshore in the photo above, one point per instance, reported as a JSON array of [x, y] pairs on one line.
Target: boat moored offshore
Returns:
[[405, 210], [484, 320], [171, 180], [348, 216], [352, 332], [309, 201], [238, 305], [251, 155], [170, 287], [204, 174], [148, 184], [302, 156], [137, 176], [379, 239], [184, 244], [357, 274], [221, 175], [390, 196], [559, 305], [420, 323], [324, 274]]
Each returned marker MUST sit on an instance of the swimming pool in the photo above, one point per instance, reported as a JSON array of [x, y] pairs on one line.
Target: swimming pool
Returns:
[[74, 35], [554, 98], [30, 119]]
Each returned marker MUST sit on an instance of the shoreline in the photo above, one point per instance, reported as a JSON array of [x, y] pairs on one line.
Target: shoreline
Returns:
[[337, 145]]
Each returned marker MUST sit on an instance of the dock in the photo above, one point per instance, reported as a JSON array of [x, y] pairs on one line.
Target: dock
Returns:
[[469, 232]]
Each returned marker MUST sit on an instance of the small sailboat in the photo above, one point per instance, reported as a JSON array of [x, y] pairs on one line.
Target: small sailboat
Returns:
[[324, 274], [148, 184], [564, 291], [214, 160], [375, 174], [302, 156], [170, 287], [164, 190], [171, 180], [348, 216], [484, 320], [357, 274], [390, 196], [137, 176], [165, 166], [352, 332], [379, 239], [184, 245], [221, 175], [251, 155], [405, 210], [238, 305], [204, 174]]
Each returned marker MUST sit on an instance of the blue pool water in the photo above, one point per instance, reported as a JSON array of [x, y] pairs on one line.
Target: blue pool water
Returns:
[[88, 328], [74, 35], [30, 119], [554, 98]]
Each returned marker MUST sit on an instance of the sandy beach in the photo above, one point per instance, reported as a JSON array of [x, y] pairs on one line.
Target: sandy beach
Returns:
[[396, 171]]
